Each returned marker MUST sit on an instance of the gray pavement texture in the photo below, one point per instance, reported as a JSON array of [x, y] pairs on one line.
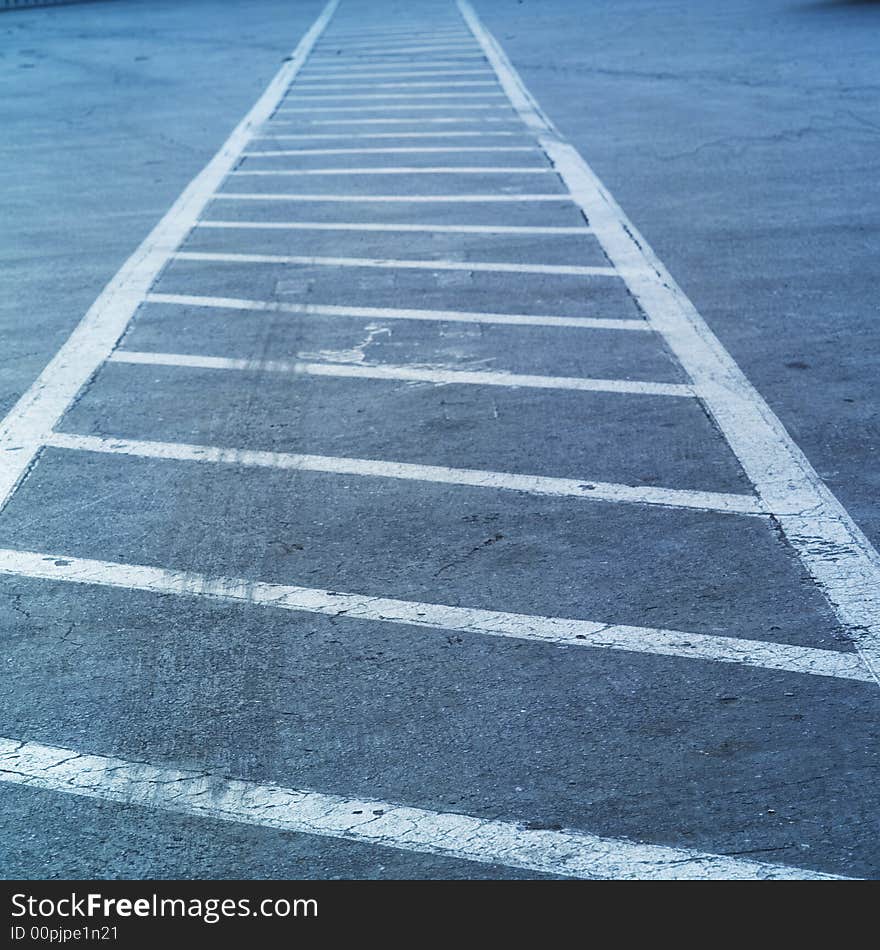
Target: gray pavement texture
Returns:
[[742, 138]]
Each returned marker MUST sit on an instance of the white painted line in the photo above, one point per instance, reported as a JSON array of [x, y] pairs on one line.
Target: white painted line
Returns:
[[384, 199], [402, 170], [568, 270], [383, 34], [35, 415], [387, 313], [410, 72], [502, 267], [413, 374], [213, 796], [386, 96], [455, 50], [400, 35], [443, 120], [403, 228], [491, 623], [444, 134], [464, 41], [391, 150], [352, 52], [355, 86], [394, 68], [499, 481], [331, 46], [838, 555], [417, 107]]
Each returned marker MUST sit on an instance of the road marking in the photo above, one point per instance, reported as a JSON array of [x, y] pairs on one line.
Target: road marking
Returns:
[[403, 228], [385, 96], [353, 86], [838, 555], [417, 107], [330, 46], [502, 267], [412, 374], [383, 199], [442, 120], [37, 412], [444, 134], [387, 313], [395, 68], [384, 35], [453, 50], [322, 76], [781, 657], [376, 468], [568, 853], [464, 41], [404, 150], [402, 170]]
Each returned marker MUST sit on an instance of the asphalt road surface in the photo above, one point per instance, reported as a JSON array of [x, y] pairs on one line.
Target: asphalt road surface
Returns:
[[388, 492]]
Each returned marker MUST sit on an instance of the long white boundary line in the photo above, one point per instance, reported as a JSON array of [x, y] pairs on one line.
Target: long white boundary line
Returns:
[[377, 468], [34, 416], [835, 551], [404, 373], [501, 267], [390, 313], [781, 657], [568, 853]]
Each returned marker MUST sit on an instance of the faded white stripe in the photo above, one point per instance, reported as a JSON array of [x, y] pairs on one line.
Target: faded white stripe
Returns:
[[570, 270], [390, 313], [385, 96], [377, 468], [413, 374], [400, 170], [445, 134], [384, 199], [780, 657], [445, 84], [391, 150], [212, 796], [405, 228], [322, 76], [394, 108], [419, 122]]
